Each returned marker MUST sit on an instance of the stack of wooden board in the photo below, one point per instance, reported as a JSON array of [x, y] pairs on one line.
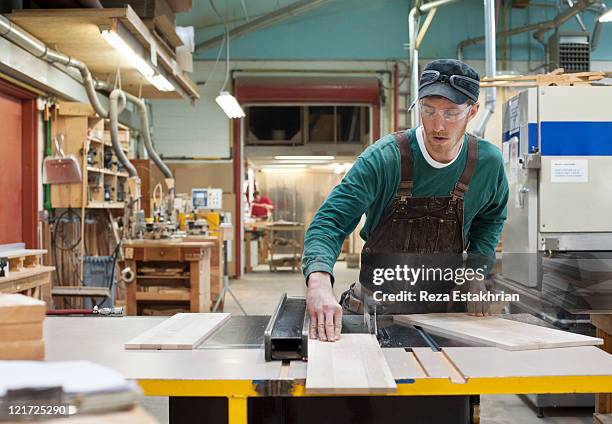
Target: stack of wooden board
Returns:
[[21, 327], [556, 77]]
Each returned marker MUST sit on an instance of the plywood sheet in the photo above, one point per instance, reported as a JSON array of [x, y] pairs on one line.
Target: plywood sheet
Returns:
[[496, 331], [17, 308], [183, 331], [354, 364]]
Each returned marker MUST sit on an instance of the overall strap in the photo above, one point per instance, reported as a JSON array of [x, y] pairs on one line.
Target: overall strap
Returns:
[[406, 163], [461, 186]]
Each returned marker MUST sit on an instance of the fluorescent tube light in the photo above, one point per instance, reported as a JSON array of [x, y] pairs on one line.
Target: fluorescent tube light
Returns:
[[287, 166], [298, 161], [230, 105], [304, 157], [606, 17], [160, 82], [127, 52]]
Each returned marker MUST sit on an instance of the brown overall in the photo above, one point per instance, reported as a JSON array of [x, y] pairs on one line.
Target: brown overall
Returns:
[[417, 231]]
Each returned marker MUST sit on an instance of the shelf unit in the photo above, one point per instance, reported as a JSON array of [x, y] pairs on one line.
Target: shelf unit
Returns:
[[87, 137]]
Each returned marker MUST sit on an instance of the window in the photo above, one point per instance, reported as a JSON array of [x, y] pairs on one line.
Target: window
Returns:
[[298, 125]]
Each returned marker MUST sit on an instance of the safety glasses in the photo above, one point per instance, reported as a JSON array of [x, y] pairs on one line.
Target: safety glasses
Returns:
[[465, 85], [448, 115]]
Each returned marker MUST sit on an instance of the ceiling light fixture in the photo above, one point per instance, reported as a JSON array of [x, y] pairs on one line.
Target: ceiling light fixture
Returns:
[[136, 60], [228, 103], [304, 157], [606, 16], [161, 82]]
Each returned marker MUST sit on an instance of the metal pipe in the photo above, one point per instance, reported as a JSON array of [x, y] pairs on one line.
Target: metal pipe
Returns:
[[413, 52], [570, 3], [413, 59], [434, 4], [146, 138], [560, 19], [116, 98], [37, 48], [597, 29], [264, 21], [490, 58]]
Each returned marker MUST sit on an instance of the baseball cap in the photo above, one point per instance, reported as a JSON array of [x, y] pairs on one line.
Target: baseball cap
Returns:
[[450, 78]]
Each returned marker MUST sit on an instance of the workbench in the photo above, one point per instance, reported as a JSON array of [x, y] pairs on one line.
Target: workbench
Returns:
[[228, 380], [603, 324], [26, 275], [189, 285]]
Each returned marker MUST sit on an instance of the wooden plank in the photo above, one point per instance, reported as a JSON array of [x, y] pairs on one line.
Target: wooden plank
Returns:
[[182, 331], [22, 252], [602, 322], [17, 308], [161, 296], [25, 280], [354, 364], [496, 331], [21, 331], [603, 401], [602, 418], [80, 291], [23, 350]]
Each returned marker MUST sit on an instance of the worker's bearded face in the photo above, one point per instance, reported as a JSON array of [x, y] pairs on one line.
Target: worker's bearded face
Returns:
[[443, 136]]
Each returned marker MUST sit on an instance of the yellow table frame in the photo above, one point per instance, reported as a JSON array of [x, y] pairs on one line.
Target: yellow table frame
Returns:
[[238, 391]]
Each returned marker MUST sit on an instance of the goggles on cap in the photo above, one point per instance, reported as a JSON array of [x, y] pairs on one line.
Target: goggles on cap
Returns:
[[460, 83]]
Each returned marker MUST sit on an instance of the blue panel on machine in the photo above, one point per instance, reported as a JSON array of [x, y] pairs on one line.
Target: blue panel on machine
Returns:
[[576, 138]]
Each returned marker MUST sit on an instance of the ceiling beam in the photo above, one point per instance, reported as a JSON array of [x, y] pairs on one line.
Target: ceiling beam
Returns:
[[264, 21]]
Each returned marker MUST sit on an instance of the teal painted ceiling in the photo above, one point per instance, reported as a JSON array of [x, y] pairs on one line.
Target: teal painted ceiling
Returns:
[[374, 29]]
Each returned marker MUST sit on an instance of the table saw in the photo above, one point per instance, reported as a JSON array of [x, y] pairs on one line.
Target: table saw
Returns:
[[227, 378]]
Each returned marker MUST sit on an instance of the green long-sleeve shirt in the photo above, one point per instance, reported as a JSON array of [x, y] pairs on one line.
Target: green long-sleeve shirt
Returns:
[[371, 183]]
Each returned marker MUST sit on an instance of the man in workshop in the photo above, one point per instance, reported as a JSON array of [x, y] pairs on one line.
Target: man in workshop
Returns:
[[430, 192], [261, 207]]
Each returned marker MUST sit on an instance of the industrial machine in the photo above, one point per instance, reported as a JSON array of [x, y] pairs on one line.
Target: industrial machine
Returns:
[[557, 239], [207, 204]]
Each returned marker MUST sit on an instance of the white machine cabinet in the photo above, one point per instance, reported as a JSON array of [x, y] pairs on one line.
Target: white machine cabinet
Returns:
[[557, 148]]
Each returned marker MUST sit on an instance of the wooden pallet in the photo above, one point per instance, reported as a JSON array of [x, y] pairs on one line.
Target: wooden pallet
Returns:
[[556, 77]]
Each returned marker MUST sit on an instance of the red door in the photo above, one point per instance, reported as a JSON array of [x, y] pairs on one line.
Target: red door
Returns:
[[18, 165], [11, 211]]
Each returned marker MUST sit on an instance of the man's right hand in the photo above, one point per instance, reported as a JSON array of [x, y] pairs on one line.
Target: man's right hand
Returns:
[[324, 310]]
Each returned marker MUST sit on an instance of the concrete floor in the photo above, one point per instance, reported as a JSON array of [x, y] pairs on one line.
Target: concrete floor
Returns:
[[259, 291]]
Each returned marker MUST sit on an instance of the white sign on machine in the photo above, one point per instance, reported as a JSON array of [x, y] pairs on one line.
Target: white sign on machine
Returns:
[[569, 171]]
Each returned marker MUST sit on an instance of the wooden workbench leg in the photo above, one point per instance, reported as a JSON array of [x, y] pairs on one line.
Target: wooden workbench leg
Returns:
[[603, 323], [194, 289], [237, 410], [130, 299]]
